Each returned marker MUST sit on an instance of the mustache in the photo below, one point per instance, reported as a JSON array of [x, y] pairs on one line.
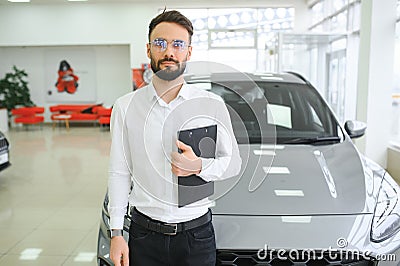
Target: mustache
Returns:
[[167, 60]]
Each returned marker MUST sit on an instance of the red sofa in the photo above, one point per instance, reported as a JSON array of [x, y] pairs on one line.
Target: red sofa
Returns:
[[28, 115], [104, 115], [82, 112]]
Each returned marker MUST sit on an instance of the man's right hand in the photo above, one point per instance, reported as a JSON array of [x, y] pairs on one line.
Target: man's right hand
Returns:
[[119, 251]]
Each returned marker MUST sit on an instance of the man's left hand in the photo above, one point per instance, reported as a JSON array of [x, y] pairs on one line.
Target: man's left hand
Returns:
[[185, 163]]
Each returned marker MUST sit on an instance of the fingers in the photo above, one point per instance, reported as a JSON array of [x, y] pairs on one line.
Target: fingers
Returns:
[[179, 158], [187, 169], [180, 172], [122, 259], [125, 258], [185, 163], [116, 259], [176, 171], [182, 146], [176, 158], [119, 251], [180, 162]]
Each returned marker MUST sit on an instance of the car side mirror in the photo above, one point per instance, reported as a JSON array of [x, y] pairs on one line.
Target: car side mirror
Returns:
[[355, 128]]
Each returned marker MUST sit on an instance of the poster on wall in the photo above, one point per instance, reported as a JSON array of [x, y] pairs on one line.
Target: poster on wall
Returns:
[[66, 81], [70, 75]]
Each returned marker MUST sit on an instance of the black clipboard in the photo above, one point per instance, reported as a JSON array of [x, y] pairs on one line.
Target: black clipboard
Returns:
[[203, 142]]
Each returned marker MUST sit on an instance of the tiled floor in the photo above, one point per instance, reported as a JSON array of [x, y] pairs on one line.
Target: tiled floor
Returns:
[[51, 196]]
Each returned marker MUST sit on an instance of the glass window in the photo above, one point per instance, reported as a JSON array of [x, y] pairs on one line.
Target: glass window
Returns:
[[315, 118], [294, 112], [339, 22], [318, 28], [338, 4], [317, 14], [337, 16], [339, 45], [325, 13], [233, 38], [237, 58], [237, 28], [199, 19], [354, 17], [342, 21], [219, 18], [398, 9]]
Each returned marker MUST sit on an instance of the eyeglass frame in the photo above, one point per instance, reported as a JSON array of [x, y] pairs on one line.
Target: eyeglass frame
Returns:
[[164, 48]]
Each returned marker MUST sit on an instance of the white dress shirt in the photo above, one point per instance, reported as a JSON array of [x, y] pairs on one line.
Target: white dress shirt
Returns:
[[144, 131]]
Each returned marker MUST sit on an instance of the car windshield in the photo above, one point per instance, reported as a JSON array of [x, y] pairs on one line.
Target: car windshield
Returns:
[[293, 113]]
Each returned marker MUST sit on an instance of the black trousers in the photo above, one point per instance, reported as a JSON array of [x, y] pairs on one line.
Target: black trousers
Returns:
[[194, 247]]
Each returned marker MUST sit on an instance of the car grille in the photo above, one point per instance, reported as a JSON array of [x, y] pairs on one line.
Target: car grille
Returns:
[[3, 144], [250, 257]]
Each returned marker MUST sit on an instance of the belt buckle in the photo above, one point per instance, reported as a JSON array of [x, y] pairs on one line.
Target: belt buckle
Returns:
[[175, 229]]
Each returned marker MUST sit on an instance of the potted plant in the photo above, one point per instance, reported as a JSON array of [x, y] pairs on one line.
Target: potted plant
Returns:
[[14, 90]]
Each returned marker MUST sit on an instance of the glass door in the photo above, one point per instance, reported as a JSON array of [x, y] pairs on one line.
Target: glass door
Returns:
[[336, 80]]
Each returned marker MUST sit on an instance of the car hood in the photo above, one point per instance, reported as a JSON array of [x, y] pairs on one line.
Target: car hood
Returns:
[[301, 180], [297, 232]]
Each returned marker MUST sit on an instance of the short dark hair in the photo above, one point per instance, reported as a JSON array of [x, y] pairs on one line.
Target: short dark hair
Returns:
[[175, 17]]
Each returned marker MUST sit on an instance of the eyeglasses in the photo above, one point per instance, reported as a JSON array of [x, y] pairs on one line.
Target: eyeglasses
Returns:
[[160, 45]]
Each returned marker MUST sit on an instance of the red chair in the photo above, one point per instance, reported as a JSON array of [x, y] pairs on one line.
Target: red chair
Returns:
[[104, 115], [77, 112], [28, 115]]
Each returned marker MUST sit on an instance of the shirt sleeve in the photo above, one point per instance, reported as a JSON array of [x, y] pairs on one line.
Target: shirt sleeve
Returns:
[[119, 181], [227, 162]]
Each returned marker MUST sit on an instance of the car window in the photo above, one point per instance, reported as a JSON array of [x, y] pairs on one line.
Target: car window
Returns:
[[292, 111], [315, 117]]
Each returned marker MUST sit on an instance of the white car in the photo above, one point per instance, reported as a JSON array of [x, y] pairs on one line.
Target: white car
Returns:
[[4, 152], [305, 195]]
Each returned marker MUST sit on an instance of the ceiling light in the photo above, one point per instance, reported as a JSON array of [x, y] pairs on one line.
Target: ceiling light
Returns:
[[19, 1]]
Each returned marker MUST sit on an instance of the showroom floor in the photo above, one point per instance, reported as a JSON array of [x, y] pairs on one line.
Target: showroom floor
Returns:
[[51, 196]]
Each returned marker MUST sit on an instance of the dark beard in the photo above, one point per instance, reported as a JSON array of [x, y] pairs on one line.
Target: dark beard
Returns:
[[167, 74]]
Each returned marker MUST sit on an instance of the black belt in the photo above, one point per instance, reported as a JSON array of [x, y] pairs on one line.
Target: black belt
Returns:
[[168, 228]]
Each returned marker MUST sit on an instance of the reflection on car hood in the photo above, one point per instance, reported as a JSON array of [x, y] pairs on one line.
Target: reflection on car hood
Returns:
[[299, 232], [303, 180]]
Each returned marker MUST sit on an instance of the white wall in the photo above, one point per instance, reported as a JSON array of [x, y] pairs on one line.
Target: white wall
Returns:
[[76, 24], [112, 64], [375, 76]]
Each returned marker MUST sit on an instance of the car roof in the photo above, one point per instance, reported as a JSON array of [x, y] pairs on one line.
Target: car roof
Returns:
[[288, 77]]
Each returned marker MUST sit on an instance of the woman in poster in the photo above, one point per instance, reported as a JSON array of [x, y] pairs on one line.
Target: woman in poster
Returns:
[[66, 81]]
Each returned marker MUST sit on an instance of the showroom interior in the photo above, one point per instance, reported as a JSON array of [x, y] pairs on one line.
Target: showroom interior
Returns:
[[51, 195]]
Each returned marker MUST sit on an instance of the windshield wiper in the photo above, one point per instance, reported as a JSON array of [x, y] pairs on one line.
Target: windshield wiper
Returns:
[[315, 140]]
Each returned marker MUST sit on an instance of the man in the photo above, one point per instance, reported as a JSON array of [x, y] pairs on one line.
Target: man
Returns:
[[144, 156]]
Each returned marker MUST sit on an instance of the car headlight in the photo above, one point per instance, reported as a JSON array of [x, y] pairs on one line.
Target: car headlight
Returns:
[[386, 219]]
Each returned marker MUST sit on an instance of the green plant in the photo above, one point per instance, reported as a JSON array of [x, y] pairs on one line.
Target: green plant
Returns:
[[14, 90]]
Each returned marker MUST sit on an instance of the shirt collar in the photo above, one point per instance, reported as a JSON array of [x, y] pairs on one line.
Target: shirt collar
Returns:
[[184, 92], [151, 92]]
